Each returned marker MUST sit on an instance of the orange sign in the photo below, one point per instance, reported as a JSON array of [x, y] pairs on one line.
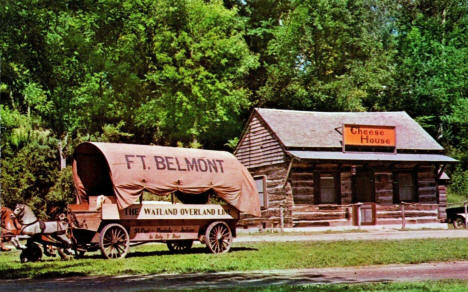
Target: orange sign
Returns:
[[365, 135]]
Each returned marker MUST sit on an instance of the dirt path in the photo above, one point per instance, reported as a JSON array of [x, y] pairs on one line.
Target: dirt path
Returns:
[[365, 235], [426, 271]]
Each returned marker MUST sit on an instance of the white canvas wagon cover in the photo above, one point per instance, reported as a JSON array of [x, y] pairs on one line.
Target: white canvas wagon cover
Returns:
[[126, 170]]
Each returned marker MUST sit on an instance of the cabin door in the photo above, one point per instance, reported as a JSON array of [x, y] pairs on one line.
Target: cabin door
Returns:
[[364, 192], [363, 186]]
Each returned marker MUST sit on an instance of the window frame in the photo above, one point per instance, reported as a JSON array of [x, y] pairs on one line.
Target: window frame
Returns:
[[265, 195], [317, 187], [396, 185]]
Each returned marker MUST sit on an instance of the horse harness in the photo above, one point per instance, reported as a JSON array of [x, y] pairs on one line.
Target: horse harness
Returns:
[[42, 225]]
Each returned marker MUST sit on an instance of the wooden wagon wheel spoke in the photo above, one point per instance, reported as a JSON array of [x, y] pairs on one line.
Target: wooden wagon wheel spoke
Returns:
[[120, 249], [114, 241], [218, 237], [118, 235], [113, 234]]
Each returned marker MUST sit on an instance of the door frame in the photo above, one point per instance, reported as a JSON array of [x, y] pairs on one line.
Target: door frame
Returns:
[[354, 184]]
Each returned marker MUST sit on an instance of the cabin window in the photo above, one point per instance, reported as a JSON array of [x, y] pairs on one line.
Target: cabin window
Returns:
[[406, 187], [327, 189], [260, 183]]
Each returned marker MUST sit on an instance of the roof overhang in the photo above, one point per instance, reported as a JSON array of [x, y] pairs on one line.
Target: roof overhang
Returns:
[[371, 156]]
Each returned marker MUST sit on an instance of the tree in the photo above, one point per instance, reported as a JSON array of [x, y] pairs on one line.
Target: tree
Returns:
[[431, 74], [430, 61], [327, 57], [167, 72], [199, 61]]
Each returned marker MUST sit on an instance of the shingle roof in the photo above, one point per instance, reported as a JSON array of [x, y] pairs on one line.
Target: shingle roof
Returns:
[[305, 129]]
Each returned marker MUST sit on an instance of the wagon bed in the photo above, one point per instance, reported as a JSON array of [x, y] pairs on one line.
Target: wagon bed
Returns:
[[110, 179]]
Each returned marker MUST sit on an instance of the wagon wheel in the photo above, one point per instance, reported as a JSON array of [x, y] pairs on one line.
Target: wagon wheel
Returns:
[[32, 253], [218, 237], [179, 245], [459, 222], [114, 241]]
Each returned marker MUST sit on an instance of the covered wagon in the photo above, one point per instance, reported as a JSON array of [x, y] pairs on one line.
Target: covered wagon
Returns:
[[110, 214]]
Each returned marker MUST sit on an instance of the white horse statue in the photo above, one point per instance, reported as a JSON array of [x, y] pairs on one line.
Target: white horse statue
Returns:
[[31, 226]]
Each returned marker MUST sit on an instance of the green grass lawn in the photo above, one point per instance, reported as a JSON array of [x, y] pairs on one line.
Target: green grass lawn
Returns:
[[449, 285], [155, 258]]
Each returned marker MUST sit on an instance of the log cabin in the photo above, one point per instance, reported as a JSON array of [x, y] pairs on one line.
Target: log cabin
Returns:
[[335, 169]]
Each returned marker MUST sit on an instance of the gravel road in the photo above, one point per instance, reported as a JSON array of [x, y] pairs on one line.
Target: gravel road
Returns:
[[426, 271], [365, 235]]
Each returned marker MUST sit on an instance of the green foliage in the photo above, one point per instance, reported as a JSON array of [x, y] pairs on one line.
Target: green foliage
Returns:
[[232, 143], [198, 65], [189, 72], [28, 174], [459, 184], [61, 193], [430, 62], [111, 133], [326, 58]]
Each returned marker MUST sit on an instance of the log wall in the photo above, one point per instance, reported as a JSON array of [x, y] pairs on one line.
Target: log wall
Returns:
[[442, 190], [321, 215], [427, 185], [296, 197], [302, 183], [416, 213], [383, 187], [279, 194], [258, 146], [346, 187]]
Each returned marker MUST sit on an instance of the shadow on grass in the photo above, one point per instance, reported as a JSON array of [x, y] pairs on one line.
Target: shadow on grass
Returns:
[[47, 268], [34, 271], [196, 250]]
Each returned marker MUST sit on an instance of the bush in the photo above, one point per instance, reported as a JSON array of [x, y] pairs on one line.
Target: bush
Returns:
[[27, 175], [61, 193], [459, 182]]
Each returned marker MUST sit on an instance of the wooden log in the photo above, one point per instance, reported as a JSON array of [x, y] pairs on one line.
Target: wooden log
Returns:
[[274, 182], [276, 197], [300, 189], [311, 224], [407, 215], [303, 200], [318, 208], [302, 183], [262, 155], [316, 216], [260, 163], [385, 200], [425, 175], [301, 173]]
